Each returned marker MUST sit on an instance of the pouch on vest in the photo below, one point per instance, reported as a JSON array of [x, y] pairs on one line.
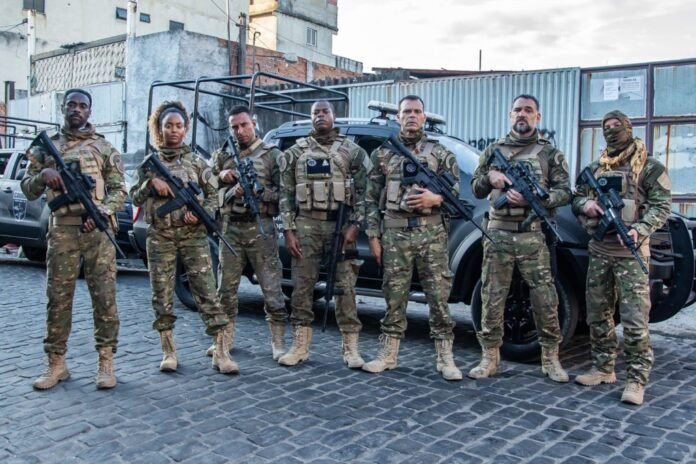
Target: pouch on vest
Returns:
[[303, 194], [320, 200], [393, 191], [403, 204]]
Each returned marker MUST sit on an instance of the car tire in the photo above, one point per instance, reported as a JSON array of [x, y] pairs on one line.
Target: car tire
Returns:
[[37, 255], [181, 284], [520, 341]]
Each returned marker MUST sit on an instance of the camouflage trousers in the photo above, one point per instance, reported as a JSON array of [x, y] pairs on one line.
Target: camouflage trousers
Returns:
[[191, 245], [315, 240], [262, 254], [426, 249], [527, 251], [611, 280], [66, 244]]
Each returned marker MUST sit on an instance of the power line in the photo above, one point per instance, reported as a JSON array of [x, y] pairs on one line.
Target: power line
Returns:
[[12, 26], [298, 44]]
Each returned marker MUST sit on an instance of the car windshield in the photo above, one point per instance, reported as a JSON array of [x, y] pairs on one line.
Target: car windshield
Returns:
[[467, 156]]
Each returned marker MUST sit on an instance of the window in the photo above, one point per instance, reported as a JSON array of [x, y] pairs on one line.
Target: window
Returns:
[[675, 94], [604, 91], [38, 5], [176, 26], [311, 37], [121, 13], [674, 145], [144, 18]]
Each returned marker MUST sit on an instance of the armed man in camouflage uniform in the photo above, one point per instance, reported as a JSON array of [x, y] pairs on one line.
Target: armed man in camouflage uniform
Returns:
[[519, 241], [241, 229], [317, 173], [179, 233], [70, 238], [406, 229], [614, 275]]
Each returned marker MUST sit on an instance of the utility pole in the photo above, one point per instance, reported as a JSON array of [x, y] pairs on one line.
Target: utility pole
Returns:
[[253, 59], [131, 21], [241, 54], [480, 56], [31, 50], [229, 37]]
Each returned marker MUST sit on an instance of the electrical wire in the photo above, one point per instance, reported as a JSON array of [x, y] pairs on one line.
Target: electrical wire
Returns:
[[10, 27]]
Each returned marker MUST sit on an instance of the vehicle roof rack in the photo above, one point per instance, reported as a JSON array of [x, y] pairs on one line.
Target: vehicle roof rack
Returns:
[[14, 123]]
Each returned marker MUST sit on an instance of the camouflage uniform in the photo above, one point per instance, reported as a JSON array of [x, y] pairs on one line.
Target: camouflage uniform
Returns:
[[169, 236], [308, 207], [67, 244], [411, 238], [242, 231], [614, 275], [520, 245]]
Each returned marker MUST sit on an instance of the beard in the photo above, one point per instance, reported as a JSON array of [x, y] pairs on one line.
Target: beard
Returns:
[[522, 127]]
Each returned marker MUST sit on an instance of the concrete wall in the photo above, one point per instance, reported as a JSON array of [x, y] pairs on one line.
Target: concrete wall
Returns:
[[72, 21], [292, 38]]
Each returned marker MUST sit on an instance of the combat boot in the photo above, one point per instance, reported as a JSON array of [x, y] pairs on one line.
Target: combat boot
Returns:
[[595, 377], [221, 356], [56, 372], [351, 355], [633, 393], [277, 338], [105, 374], [229, 334], [169, 362], [490, 360], [445, 360], [551, 365], [299, 351], [386, 358]]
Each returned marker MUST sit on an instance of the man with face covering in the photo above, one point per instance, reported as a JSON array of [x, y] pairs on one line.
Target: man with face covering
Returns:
[[518, 241], [317, 173], [71, 238], [614, 275]]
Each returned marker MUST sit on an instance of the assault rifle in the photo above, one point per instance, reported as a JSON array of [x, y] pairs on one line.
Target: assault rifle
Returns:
[[526, 183], [248, 180], [336, 254], [611, 203], [184, 196], [441, 185], [78, 186]]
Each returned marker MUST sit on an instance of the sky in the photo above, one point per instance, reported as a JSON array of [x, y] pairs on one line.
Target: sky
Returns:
[[514, 35]]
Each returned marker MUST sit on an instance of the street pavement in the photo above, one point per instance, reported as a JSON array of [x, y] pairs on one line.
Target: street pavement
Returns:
[[320, 411]]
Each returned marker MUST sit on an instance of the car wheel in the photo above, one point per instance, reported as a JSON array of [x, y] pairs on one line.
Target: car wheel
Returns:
[[181, 283], [37, 255], [520, 338]]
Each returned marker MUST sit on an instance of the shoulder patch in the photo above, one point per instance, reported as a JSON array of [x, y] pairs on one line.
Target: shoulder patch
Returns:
[[282, 163], [116, 161], [664, 181]]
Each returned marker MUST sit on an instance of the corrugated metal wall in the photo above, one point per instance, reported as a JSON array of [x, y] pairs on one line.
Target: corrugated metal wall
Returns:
[[476, 108]]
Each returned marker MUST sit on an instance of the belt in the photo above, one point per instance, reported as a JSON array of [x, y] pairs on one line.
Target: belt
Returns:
[[321, 215], [412, 222], [66, 220], [515, 227], [240, 218]]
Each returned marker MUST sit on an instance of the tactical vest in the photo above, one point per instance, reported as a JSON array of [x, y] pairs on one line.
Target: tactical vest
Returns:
[[323, 176], [86, 155], [260, 155], [398, 172], [632, 193], [539, 165], [183, 168]]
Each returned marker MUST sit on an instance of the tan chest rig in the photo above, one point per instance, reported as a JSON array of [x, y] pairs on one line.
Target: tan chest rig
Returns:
[[323, 177], [263, 163], [538, 164], [632, 194], [397, 171], [184, 170], [86, 155]]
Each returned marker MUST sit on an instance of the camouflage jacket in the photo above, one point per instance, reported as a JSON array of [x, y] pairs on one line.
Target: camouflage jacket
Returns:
[[287, 164], [86, 143]]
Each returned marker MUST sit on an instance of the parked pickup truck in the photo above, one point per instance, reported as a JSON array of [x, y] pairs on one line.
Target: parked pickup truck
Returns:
[[25, 222]]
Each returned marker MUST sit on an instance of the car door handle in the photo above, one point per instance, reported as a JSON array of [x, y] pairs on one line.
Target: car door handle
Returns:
[[7, 190]]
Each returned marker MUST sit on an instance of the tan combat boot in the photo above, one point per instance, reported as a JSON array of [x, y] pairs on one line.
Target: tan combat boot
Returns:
[[277, 338], [105, 374], [595, 377], [490, 360], [299, 351], [551, 365], [445, 360], [351, 355], [169, 362], [56, 372], [229, 334], [633, 393], [386, 358], [221, 356]]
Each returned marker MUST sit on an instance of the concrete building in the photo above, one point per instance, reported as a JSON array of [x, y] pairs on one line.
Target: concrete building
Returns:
[[64, 24], [302, 28]]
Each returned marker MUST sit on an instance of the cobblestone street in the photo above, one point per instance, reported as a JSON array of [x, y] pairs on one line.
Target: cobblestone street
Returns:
[[320, 411]]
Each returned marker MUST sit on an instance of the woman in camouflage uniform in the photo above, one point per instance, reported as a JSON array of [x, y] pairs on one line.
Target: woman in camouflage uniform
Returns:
[[179, 233]]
